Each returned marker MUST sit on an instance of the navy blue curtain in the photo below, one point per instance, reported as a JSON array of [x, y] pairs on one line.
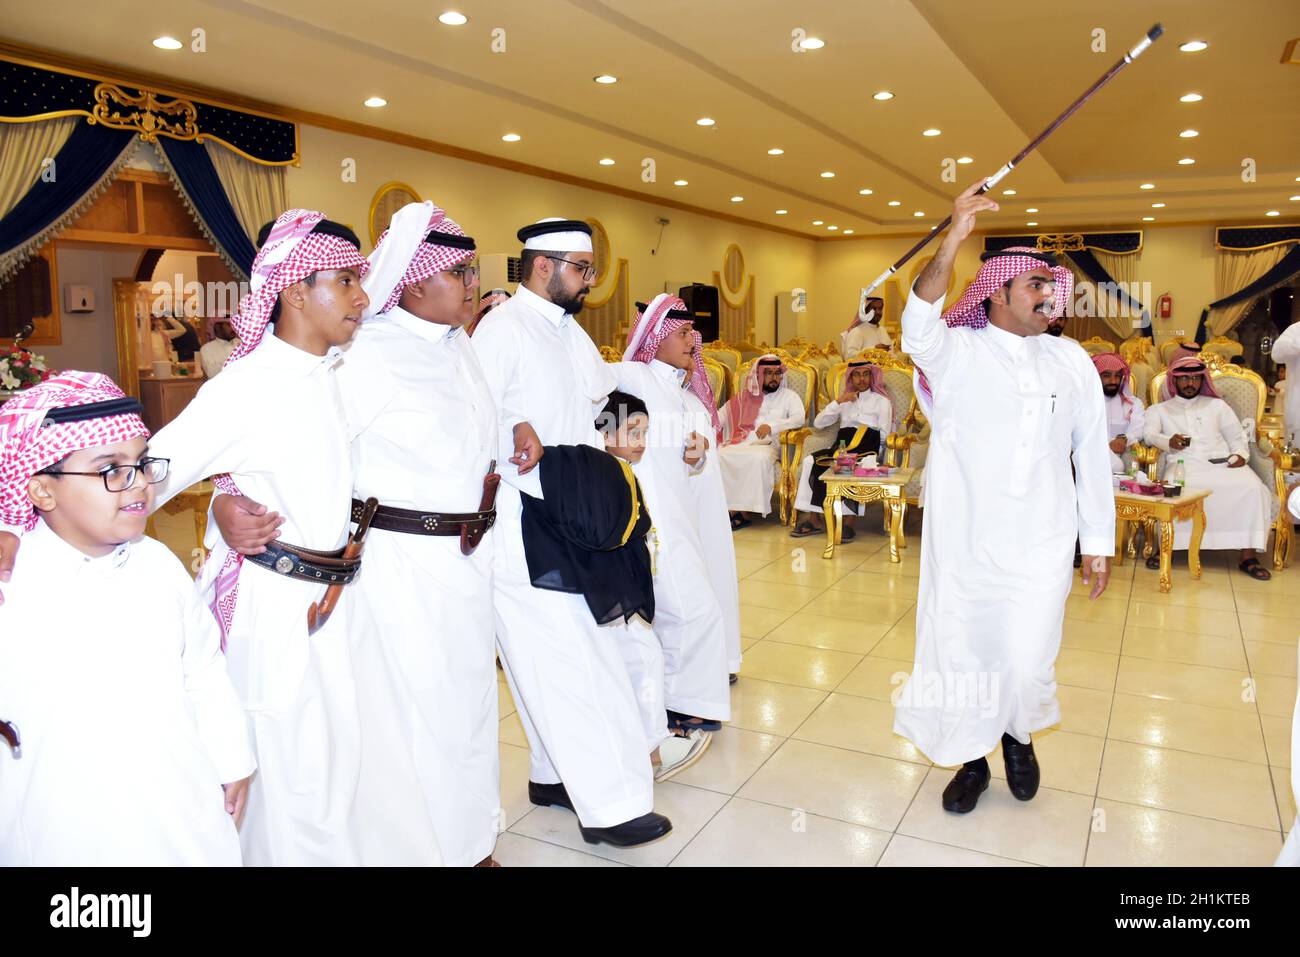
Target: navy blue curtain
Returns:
[[198, 176], [1288, 266], [1094, 270], [89, 153]]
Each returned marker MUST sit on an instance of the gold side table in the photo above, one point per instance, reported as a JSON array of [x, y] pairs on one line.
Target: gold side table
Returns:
[[1166, 511], [887, 489]]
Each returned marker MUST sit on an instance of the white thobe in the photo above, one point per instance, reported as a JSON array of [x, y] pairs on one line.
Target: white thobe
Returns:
[[112, 672], [1001, 516], [691, 621], [424, 430], [1237, 513], [749, 466], [273, 421], [870, 409], [214, 353], [1127, 419], [865, 335], [1286, 350], [1290, 856], [567, 674]]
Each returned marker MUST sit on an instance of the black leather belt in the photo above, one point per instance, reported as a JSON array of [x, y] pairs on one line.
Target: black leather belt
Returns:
[[306, 564], [412, 522]]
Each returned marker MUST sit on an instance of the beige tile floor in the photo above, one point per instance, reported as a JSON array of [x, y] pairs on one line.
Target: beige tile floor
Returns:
[[1173, 747]]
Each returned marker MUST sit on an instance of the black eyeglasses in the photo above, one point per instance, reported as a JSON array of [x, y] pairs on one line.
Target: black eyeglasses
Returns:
[[588, 272], [119, 478], [466, 274]]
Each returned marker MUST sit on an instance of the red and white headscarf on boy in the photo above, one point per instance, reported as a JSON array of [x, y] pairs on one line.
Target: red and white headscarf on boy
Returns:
[[656, 324], [37, 429], [420, 242], [290, 254], [877, 380], [742, 409]]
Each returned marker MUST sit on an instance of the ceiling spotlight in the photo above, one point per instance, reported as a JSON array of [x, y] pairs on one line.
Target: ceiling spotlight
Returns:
[[811, 43], [1148, 219], [1193, 46], [1008, 192], [832, 227], [1190, 98], [1272, 212], [775, 151], [1032, 209], [1157, 205], [376, 101], [679, 182], [705, 121], [848, 232], [1147, 186], [737, 199], [882, 95], [1294, 198], [1031, 223], [1186, 161], [1188, 134], [818, 222], [864, 192], [453, 19], [918, 213], [606, 79], [168, 43], [782, 212], [964, 160], [606, 162], [894, 202], [931, 132], [510, 137]]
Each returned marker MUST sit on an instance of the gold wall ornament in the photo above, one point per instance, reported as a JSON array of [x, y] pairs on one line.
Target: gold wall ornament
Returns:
[[602, 251], [388, 199], [1060, 242], [145, 114]]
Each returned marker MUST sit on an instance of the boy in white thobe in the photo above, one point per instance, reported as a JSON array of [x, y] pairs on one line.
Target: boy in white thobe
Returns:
[[752, 424], [1010, 406], [113, 689], [1193, 424]]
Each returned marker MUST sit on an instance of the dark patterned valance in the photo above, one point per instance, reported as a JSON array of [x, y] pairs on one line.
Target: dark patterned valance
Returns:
[[1119, 244], [1242, 238], [29, 93]]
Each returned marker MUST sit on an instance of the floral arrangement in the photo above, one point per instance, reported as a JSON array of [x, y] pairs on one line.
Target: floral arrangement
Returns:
[[20, 369]]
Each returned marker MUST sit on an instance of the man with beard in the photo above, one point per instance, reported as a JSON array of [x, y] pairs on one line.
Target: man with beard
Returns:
[[1125, 413], [566, 672], [752, 424], [1056, 328], [866, 332], [1010, 407], [1195, 426]]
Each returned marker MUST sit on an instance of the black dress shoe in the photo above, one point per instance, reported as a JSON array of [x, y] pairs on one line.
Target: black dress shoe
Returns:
[[1022, 768], [640, 830], [964, 790], [544, 795]]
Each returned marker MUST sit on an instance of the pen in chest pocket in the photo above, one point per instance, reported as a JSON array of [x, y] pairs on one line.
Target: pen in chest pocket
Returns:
[[1053, 403]]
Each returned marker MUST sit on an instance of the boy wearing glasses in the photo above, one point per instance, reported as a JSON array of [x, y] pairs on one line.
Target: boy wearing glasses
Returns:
[[124, 726]]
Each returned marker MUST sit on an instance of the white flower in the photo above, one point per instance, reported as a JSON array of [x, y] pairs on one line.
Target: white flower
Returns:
[[8, 381]]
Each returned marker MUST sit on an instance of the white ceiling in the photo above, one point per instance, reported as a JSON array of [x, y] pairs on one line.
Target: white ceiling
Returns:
[[989, 76]]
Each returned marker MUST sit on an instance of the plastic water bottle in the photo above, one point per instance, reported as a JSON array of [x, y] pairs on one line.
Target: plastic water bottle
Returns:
[[1178, 474]]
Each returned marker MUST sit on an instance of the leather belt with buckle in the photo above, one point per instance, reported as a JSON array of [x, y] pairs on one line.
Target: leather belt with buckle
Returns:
[[306, 564]]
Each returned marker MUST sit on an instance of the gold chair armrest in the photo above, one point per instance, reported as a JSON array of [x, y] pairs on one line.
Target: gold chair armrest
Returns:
[[1147, 456], [900, 444], [795, 438]]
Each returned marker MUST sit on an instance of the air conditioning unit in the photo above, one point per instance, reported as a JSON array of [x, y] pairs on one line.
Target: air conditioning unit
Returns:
[[791, 314]]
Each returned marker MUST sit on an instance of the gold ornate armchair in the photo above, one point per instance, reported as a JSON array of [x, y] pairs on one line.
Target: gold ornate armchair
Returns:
[[1223, 346], [720, 380], [802, 379], [1245, 392], [1097, 345], [725, 354], [610, 354], [1167, 349]]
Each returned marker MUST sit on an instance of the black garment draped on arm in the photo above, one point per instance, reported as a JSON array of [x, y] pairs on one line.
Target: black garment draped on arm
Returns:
[[587, 534]]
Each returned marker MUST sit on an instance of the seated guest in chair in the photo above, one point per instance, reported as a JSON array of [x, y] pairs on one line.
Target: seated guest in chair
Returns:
[[1125, 413], [864, 415], [1194, 424], [752, 424]]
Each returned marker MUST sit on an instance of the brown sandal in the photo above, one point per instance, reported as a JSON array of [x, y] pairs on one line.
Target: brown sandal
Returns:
[[1255, 570], [804, 529]]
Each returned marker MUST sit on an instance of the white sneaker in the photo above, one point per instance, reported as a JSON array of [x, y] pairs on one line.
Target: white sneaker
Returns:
[[678, 753]]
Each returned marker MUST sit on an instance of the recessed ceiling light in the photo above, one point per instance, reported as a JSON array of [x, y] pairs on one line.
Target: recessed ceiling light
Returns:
[[864, 192], [931, 132], [680, 182], [782, 212], [1190, 98], [1148, 219], [453, 19], [882, 95], [606, 162], [1147, 186], [933, 228], [827, 174], [1157, 205], [1294, 198], [737, 199], [811, 43], [376, 101], [1032, 209], [818, 222], [606, 79], [894, 202], [964, 160], [1272, 212], [848, 232], [918, 214], [1193, 46], [1186, 161], [705, 121], [1188, 134], [512, 138], [168, 43], [1008, 192], [832, 227], [1031, 223], [775, 151]]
